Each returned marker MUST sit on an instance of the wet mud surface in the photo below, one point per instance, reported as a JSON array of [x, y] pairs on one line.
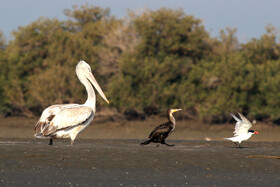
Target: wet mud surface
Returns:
[[30, 162]]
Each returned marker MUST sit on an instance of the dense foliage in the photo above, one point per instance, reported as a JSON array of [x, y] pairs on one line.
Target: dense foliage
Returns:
[[145, 62]]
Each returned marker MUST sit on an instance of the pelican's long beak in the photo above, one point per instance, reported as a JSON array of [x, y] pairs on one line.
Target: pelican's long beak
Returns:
[[97, 87]]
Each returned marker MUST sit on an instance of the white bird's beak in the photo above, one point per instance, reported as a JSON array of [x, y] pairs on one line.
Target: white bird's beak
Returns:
[[97, 87]]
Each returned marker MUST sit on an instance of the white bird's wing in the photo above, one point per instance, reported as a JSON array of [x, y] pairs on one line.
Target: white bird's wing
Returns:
[[59, 117], [238, 123], [236, 118], [242, 126]]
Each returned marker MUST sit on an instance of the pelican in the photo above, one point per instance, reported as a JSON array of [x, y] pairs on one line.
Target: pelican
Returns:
[[68, 120], [161, 132], [241, 131]]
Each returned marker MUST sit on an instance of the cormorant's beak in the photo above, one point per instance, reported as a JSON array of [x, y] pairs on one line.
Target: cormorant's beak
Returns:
[[176, 110], [256, 132], [96, 85]]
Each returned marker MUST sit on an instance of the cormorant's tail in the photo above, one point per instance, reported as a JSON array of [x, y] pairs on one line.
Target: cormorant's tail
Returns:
[[146, 142]]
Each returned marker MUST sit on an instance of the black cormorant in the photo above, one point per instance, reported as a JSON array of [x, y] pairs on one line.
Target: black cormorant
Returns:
[[161, 132]]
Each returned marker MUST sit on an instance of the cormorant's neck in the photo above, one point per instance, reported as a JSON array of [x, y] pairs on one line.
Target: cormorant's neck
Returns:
[[171, 118]]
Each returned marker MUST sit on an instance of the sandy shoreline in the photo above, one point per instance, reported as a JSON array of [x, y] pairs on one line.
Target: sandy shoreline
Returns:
[[30, 162], [109, 154]]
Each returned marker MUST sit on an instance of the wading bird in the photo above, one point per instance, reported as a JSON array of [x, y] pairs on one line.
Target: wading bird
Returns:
[[68, 120], [241, 131], [161, 132]]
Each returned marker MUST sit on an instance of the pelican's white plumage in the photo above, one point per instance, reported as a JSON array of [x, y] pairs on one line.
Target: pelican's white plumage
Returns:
[[241, 130], [68, 120]]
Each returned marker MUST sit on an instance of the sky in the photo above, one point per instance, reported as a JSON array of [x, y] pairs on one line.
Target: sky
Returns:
[[249, 17]]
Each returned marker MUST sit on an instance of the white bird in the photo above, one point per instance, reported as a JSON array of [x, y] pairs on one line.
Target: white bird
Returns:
[[241, 131], [68, 120]]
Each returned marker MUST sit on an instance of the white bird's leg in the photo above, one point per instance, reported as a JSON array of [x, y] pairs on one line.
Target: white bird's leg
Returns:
[[51, 142], [239, 145], [235, 144]]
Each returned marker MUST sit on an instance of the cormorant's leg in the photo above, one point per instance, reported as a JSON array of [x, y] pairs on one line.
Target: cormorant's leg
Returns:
[[157, 145], [163, 142], [169, 144], [51, 142]]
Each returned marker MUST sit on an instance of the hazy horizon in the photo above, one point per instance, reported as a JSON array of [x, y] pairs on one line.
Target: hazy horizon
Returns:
[[249, 17]]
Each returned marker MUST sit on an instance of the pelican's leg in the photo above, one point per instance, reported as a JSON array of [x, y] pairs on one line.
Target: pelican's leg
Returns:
[[51, 142], [72, 138], [72, 142]]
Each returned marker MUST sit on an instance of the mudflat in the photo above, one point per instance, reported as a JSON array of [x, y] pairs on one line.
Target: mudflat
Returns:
[[93, 162]]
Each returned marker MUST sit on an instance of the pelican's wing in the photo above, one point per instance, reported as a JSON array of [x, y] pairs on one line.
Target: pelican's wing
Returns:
[[161, 129], [48, 115], [66, 118], [244, 126]]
